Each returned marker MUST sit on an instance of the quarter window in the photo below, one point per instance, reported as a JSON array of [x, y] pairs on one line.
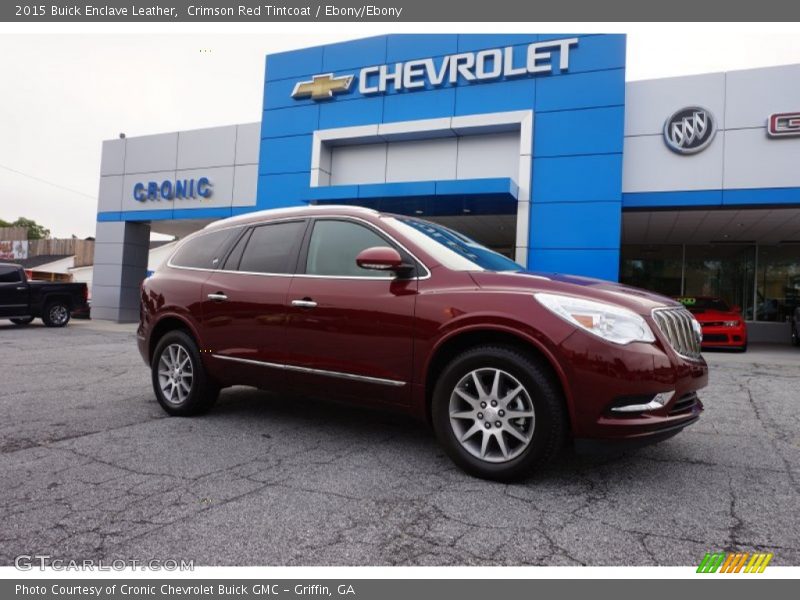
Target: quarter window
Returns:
[[334, 246], [273, 248], [206, 250]]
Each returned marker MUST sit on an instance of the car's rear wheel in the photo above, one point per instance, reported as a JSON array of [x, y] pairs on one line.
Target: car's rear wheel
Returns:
[[180, 382], [22, 320], [56, 314], [498, 413]]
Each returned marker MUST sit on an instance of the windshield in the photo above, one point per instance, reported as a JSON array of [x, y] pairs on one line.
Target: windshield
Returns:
[[705, 304], [450, 248]]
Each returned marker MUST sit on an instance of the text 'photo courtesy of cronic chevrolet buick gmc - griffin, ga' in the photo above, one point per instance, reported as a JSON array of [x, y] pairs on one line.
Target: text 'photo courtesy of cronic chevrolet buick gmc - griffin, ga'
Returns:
[[346, 303]]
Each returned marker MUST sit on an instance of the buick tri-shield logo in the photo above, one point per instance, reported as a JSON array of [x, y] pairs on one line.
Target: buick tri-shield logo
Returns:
[[690, 130]]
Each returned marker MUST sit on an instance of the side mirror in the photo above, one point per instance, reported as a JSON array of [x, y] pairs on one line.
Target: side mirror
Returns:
[[736, 308], [380, 258]]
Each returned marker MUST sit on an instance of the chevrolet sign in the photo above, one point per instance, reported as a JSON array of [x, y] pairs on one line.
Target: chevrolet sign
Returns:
[[485, 65]]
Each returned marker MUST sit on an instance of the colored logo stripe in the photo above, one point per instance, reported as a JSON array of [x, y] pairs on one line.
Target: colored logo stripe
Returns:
[[733, 562]]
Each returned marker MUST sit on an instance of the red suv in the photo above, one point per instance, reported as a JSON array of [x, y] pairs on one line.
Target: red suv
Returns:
[[352, 304]]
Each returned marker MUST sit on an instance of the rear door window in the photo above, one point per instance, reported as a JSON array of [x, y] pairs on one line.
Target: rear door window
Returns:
[[273, 248], [9, 275]]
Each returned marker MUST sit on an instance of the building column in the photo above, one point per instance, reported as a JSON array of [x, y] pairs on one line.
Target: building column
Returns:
[[120, 264]]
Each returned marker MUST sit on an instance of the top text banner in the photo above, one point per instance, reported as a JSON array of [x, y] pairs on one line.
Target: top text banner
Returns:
[[399, 11]]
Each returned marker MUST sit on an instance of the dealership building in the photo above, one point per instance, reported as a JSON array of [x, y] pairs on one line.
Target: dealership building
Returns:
[[534, 145]]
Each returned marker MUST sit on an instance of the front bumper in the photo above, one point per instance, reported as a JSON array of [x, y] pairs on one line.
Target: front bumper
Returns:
[[602, 376], [724, 337], [601, 446]]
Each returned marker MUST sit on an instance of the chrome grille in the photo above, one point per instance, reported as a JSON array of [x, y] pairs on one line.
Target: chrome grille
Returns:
[[676, 325]]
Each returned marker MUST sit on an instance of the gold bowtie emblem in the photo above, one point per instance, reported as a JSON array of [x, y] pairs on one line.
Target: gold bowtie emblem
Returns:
[[322, 86]]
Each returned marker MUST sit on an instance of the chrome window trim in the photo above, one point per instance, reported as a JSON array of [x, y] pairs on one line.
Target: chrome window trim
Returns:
[[298, 369], [427, 274]]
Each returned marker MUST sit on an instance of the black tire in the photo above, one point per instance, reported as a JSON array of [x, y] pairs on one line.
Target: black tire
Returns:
[[202, 392], [549, 425], [22, 320], [56, 313], [795, 336]]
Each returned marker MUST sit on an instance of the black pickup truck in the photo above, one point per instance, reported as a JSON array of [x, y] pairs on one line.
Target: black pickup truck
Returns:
[[21, 301]]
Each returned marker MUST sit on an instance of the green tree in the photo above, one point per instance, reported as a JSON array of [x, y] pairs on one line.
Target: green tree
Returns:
[[35, 231]]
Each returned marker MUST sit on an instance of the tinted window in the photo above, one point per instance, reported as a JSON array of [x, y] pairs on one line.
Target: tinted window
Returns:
[[232, 262], [273, 248], [334, 246], [9, 275], [206, 250]]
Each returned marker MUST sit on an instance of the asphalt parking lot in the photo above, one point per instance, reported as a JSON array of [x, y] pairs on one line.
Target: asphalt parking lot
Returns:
[[90, 467]]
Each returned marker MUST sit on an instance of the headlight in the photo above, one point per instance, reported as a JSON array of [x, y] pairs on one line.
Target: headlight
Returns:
[[613, 323], [730, 323]]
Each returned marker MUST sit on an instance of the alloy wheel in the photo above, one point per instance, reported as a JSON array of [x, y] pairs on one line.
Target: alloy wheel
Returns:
[[59, 314], [492, 415], [175, 374]]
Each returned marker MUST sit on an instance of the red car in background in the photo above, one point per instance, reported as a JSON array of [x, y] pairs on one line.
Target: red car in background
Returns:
[[723, 324]]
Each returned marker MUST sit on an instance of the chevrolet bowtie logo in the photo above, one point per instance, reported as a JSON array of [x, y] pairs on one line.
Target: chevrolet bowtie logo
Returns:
[[322, 86]]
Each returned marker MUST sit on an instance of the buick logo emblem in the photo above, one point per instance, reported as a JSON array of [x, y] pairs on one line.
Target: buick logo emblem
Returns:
[[690, 130]]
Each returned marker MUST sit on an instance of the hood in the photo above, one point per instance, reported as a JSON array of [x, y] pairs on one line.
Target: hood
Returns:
[[638, 300]]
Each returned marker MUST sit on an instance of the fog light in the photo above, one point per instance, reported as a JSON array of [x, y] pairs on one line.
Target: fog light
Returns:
[[660, 400]]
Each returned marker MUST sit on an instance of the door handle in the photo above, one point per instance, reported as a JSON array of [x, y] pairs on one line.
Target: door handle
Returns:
[[304, 303], [21, 288], [218, 297]]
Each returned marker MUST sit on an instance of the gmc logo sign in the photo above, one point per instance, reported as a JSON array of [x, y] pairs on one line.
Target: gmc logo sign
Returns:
[[783, 124]]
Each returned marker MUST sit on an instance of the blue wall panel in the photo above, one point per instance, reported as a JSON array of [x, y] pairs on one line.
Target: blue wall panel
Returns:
[[482, 41], [365, 111], [591, 178], [295, 120], [603, 264], [588, 225], [587, 131], [581, 90], [285, 154], [516, 94], [409, 106], [354, 54], [287, 189], [412, 46]]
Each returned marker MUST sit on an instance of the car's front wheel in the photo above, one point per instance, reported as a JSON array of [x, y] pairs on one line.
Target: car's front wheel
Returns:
[[795, 336], [180, 382], [498, 413]]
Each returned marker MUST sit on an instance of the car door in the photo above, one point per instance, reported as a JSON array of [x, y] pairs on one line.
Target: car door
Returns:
[[244, 303], [350, 330], [13, 292]]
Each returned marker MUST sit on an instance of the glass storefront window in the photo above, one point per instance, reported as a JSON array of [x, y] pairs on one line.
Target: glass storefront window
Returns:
[[722, 271], [777, 282], [656, 268]]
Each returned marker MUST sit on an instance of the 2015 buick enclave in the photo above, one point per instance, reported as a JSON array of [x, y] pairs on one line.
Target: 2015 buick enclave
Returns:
[[352, 304]]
